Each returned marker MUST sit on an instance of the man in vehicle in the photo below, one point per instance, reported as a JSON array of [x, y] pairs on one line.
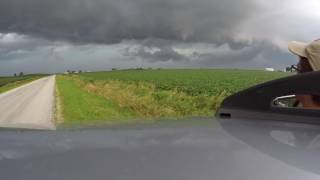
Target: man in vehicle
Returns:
[[309, 55]]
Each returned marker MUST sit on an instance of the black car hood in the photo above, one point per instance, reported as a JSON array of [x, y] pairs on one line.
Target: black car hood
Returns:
[[195, 149]]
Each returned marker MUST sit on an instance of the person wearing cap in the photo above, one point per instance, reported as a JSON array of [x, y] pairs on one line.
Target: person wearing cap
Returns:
[[309, 60]]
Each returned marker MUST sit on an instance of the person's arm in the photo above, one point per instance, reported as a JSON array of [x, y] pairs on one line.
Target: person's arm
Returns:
[[307, 102]]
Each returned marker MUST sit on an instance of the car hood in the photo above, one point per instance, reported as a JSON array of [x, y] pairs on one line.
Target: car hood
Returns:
[[193, 149]]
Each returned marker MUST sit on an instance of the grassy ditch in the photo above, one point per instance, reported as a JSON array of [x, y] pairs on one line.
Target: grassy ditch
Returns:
[[8, 83], [79, 107], [113, 102]]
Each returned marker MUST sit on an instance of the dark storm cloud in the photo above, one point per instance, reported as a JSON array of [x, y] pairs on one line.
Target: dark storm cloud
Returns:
[[258, 55], [165, 33], [153, 50], [12, 42], [162, 54], [111, 21], [14, 46]]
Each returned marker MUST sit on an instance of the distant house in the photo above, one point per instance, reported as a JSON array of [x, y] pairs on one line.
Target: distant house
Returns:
[[270, 69]]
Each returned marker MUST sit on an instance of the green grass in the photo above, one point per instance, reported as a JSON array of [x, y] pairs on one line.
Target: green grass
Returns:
[[80, 107], [8, 83], [124, 96]]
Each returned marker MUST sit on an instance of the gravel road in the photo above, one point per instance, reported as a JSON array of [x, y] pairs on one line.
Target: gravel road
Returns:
[[29, 106]]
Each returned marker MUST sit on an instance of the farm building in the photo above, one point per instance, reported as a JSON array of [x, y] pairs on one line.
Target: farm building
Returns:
[[270, 69]]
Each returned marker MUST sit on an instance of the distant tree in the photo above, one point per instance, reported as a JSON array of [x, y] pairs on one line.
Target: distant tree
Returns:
[[21, 74], [114, 69], [80, 71], [15, 75]]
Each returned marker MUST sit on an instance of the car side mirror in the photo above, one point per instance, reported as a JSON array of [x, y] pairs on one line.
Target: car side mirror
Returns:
[[275, 100]]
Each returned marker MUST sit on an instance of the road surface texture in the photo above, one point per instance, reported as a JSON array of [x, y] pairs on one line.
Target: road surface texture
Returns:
[[29, 106]]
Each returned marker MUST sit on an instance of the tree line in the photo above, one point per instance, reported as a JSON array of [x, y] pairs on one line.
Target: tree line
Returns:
[[18, 74]]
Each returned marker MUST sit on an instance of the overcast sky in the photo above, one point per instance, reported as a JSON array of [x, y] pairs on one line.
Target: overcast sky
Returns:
[[56, 35]]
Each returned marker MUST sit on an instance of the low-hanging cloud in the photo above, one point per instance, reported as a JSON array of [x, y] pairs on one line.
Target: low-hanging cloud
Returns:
[[258, 55]]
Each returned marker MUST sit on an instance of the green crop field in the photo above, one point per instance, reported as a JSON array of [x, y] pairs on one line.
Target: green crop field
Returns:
[[151, 94], [191, 81], [7, 83]]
